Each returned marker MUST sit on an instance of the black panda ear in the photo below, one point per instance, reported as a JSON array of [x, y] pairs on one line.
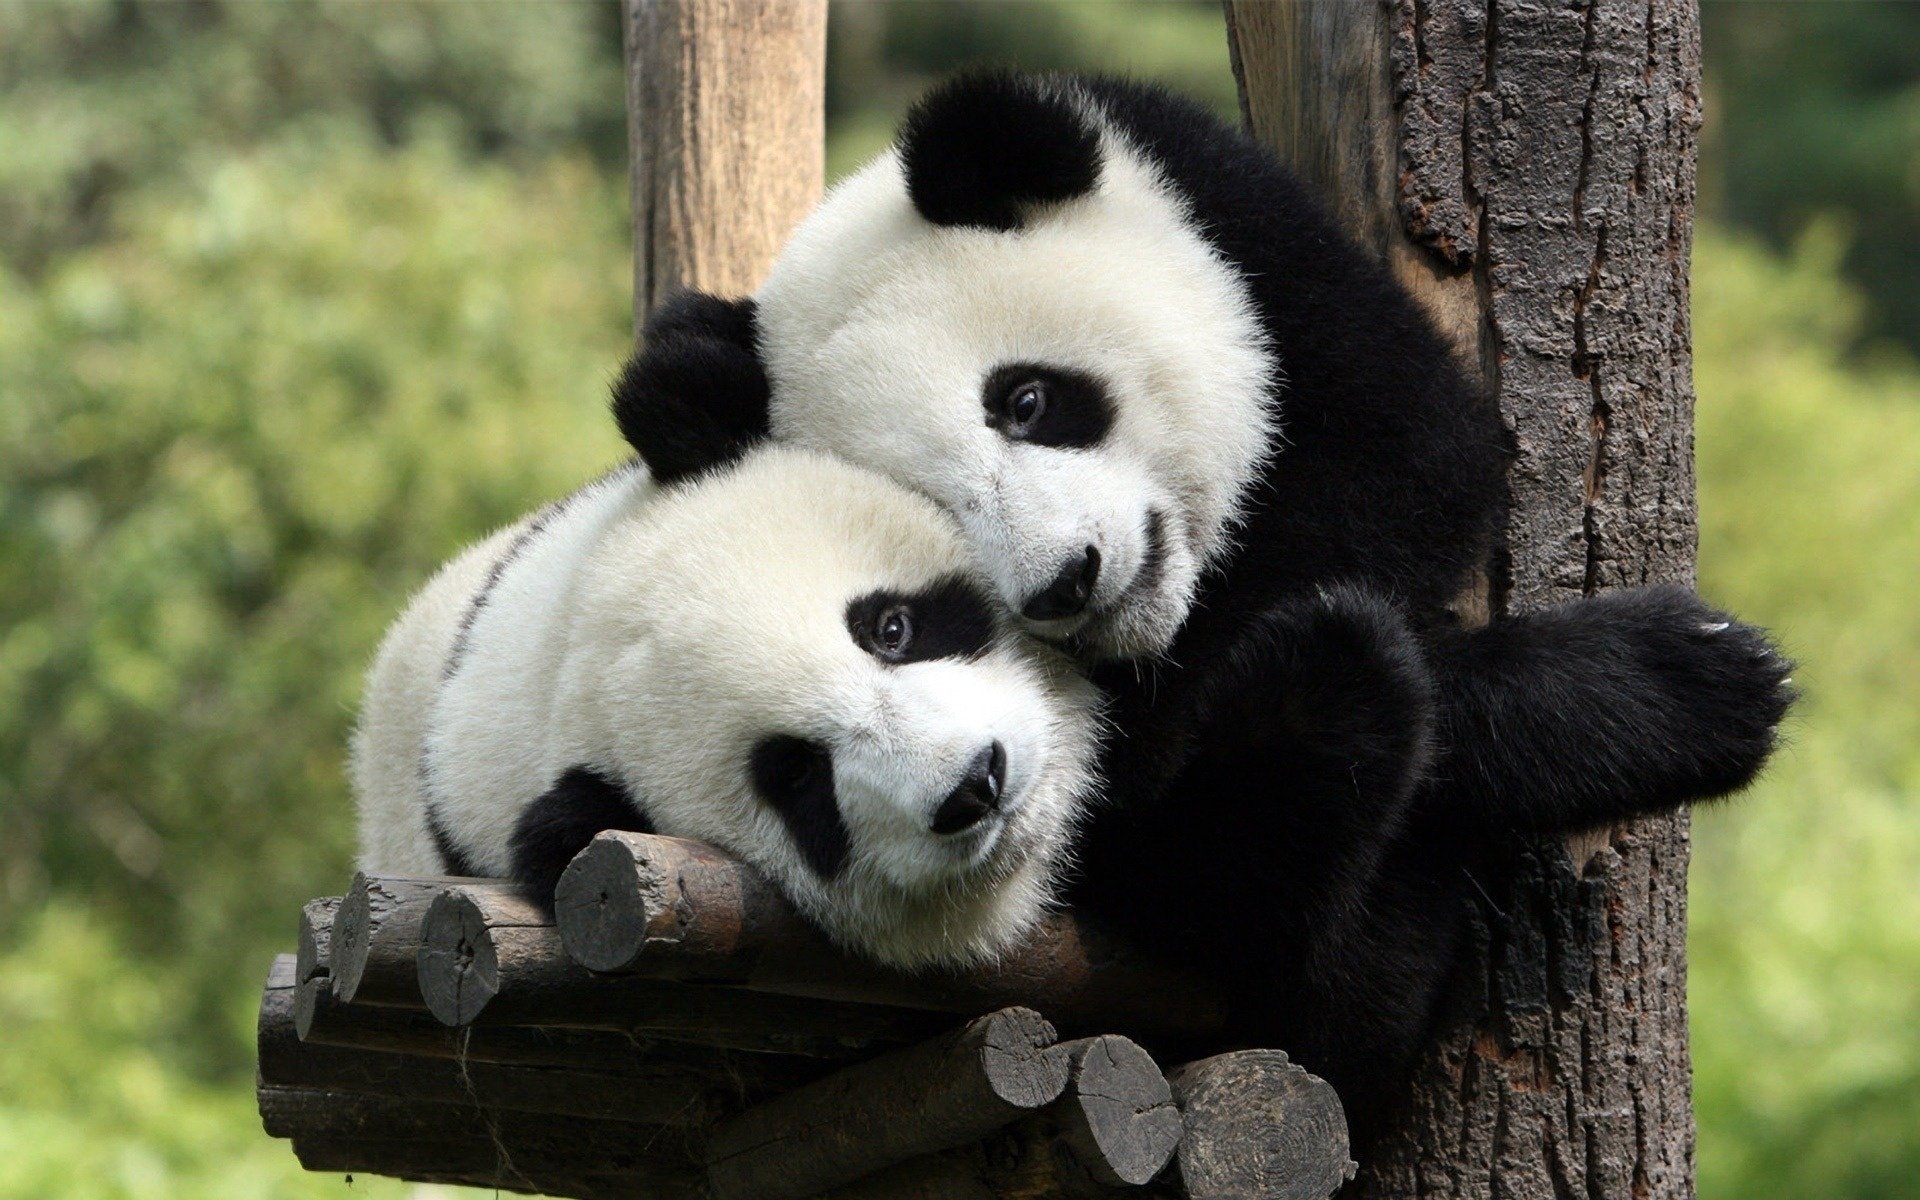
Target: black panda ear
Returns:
[[695, 395], [557, 826], [981, 148]]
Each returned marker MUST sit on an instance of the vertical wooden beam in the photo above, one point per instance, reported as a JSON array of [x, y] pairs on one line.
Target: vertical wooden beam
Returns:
[[1528, 169], [726, 129]]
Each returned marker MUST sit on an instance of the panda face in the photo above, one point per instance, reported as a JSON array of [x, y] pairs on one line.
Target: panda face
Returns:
[[796, 661], [1087, 393]]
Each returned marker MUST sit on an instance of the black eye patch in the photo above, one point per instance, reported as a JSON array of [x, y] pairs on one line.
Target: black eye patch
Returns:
[[1047, 406], [948, 619], [795, 777]]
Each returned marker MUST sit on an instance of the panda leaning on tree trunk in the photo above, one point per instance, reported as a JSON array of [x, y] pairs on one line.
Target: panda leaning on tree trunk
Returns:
[[1197, 435]]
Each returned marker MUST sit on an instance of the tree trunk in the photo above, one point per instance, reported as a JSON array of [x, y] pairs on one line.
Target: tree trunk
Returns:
[[1527, 168], [726, 130]]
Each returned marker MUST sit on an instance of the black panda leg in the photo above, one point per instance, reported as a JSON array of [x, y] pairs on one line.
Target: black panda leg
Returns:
[[1271, 792], [1604, 709], [1281, 833]]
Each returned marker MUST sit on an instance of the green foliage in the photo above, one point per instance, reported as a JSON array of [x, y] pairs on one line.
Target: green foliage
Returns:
[[92, 1102], [101, 96], [1814, 113], [1806, 941], [231, 440]]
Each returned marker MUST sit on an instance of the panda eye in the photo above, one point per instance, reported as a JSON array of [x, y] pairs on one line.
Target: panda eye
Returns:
[[1026, 404], [1047, 406], [893, 632]]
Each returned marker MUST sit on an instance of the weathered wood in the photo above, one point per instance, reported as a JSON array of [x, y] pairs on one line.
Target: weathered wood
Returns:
[[1539, 160], [566, 1156], [944, 1093], [1118, 1118], [312, 957], [489, 956], [742, 1076], [1114, 1127], [726, 103], [651, 1093], [376, 933], [1257, 1127], [673, 909]]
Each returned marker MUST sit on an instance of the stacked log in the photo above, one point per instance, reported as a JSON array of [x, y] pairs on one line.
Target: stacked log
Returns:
[[676, 1031]]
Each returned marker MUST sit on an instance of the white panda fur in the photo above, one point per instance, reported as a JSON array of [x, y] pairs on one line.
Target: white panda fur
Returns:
[[870, 309], [655, 634]]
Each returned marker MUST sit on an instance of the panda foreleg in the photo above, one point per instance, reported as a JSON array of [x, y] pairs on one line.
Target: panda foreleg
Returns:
[[1603, 709], [1308, 739]]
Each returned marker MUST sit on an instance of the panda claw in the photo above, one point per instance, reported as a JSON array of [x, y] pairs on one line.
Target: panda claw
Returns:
[[1716, 627]]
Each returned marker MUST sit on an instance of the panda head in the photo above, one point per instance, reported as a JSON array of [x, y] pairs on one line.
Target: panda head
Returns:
[[794, 659], [1013, 314]]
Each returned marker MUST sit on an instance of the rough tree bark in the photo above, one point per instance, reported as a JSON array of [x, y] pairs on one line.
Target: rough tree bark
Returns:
[[1527, 167], [726, 130]]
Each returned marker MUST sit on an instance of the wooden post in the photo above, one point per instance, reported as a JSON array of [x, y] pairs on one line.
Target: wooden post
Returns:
[[1528, 170], [726, 127]]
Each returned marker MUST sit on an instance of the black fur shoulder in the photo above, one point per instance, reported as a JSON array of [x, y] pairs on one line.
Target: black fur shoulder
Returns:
[[1394, 464]]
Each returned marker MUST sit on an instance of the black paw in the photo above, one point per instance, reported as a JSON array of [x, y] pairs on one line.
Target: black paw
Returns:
[[1725, 688], [1339, 676]]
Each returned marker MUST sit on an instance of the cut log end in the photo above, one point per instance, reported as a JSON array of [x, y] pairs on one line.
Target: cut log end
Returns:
[[1118, 1117], [458, 966], [314, 958], [1013, 1046], [609, 901], [1257, 1127]]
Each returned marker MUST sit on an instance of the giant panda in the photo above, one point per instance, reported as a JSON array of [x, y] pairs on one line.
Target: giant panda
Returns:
[[790, 658], [1205, 441]]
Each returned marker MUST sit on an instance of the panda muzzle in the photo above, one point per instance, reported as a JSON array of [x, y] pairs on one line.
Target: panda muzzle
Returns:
[[978, 794]]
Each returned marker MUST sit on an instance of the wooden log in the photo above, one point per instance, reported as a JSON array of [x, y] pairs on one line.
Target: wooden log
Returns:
[[944, 1093], [1257, 1127], [1115, 1128], [377, 932], [312, 958], [567, 1156], [489, 956], [1118, 1119], [726, 104], [673, 909], [394, 1030], [650, 1093]]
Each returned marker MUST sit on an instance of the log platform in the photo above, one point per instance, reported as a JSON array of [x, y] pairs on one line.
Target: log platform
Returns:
[[677, 1032]]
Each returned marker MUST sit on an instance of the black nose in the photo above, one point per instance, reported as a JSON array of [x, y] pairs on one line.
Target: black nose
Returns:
[[1067, 595], [978, 793]]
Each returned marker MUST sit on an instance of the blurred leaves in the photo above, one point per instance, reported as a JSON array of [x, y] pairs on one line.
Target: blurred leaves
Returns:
[[1814, 113], [1805, 973], [232, 438]]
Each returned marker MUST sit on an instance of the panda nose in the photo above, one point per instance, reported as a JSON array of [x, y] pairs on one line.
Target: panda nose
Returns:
[[1067, 595], [978, 793]]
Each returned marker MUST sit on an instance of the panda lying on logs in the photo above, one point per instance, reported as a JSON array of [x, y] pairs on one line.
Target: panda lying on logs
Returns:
[[791, 659], [1198, 435]]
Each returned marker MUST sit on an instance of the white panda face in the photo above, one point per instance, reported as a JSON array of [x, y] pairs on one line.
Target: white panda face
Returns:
[[801, 667], [1087, 394]]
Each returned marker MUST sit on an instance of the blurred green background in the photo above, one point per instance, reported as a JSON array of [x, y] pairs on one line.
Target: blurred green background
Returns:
[[295, 299]]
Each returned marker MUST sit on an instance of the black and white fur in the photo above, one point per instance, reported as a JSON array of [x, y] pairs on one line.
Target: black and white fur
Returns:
[[1260, 478], [789, 658]]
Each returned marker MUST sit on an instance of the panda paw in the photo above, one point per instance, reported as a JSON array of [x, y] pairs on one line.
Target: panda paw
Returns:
[[1339, 679], [1727, 689]]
